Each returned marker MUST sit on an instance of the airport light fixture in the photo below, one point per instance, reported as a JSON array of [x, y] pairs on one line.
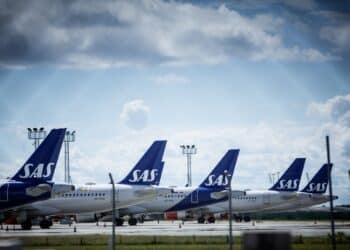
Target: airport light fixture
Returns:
[[329, 164], [36, 134], [189, 150], [113, 212], [69, 137], [228, 187]]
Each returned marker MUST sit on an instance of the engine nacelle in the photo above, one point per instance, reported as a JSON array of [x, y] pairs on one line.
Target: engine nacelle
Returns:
[[88, 217], [177, 215]]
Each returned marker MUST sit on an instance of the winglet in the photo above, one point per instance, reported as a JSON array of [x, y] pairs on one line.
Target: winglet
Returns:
[[41, 164]]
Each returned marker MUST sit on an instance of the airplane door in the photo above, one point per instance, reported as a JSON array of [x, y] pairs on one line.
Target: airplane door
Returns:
[[4, 192], [266, 199], [117, 195], [194, 196]]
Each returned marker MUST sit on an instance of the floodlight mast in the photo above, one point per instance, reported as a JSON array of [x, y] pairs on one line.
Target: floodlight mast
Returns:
[[69, 137], [189, 150], [36, 134], [229, 189]]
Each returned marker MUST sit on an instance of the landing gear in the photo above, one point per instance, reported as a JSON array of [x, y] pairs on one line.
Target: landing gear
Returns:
[[238, 218], [26, 225], [201, 220], [45, 224], [246, 218], [119, 222], [132, 221], [211, 219]]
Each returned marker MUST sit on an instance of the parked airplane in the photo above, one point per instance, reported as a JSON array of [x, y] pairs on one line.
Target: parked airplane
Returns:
[[133, 189], [32, 182], [282, 192], [312, 194], [211, 190], [92, 217]]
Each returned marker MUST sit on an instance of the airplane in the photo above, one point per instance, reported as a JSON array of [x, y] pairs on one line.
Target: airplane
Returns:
[[133, 189], [211, 190], [32, 182], [93, 217], [312, 194], [283, 191]]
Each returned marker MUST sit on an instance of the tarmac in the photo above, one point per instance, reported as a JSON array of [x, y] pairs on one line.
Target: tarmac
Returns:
[[178, 228]]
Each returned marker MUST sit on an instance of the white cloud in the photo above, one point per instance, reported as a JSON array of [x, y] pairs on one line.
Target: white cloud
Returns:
[[338, 35], [135, 114], [264, 148], [170, 79], [336, 108], [138, 33]]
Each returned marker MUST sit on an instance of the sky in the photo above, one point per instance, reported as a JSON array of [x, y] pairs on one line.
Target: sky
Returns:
[[270, 78]]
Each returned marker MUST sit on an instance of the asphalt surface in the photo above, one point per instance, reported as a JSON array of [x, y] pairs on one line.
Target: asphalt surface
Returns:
[[305, 228]]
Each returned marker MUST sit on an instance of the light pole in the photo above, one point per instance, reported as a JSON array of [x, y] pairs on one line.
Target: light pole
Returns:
[[69, 137], [228, 177], [113, 211], [189, 150], [36, 134], [330, 192]]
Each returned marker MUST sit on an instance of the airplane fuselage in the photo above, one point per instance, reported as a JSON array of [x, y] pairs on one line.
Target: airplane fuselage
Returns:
[[15, 193], [93, 198]]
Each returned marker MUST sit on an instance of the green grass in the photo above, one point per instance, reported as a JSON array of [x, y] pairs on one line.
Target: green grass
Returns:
[[90, 242], [186, 247]]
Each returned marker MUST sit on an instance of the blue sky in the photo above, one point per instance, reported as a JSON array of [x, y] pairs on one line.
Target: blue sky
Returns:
[[271, 79]]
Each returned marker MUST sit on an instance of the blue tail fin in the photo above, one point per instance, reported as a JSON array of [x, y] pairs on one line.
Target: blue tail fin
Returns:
[[318, 184], [41, 164], [216, 179], [290, 180], [159, 175], [149, 168]]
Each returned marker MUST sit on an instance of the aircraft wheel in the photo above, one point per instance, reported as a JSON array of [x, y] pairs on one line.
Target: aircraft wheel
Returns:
[[119, 222], [27, 225], [201, 220], [45, 224], [132, 222], [211, 219], [246, 218]]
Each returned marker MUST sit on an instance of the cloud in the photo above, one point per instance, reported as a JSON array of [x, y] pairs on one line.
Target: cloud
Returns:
[[264, 148], [136, 33], [337, 108], [135, 114], [338, 35], [170, 79]]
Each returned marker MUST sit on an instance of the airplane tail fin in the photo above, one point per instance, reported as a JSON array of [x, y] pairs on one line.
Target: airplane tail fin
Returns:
[[41, 164], [290, 180], [318, 184], [160, 172], [216, 179], [149, 168]]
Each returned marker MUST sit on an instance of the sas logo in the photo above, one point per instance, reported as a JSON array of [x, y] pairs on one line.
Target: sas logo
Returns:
[[145, 176], [288, 184], [221, 180], [39, 172], [318, 187]]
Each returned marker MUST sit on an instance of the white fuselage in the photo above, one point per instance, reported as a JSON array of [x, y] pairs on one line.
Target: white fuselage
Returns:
[[303, 200], [94, 198], [162, 203], [253, 201], [268, 201]]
